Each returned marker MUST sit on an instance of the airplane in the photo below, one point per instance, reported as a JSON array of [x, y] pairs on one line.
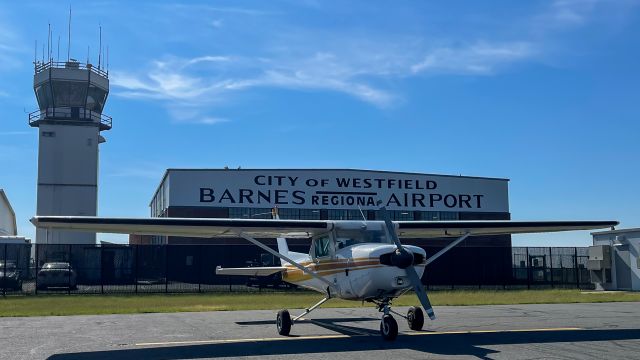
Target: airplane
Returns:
[[348, 259]]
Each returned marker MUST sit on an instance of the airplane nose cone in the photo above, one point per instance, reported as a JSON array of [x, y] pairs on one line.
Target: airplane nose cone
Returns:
[[398, 259], [402, 260]]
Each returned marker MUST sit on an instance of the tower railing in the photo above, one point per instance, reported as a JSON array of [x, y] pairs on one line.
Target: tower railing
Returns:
[[40, 67], [70, 114]]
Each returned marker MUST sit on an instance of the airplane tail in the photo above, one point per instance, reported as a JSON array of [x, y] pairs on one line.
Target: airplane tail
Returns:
[[283, 248]]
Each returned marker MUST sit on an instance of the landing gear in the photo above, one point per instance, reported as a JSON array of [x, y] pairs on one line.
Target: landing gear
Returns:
[[415, 318], [388, 328], [388, 325], [283, 322]]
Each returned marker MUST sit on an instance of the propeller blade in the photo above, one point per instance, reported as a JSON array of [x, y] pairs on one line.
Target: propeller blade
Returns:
[[410, 271], [420, 291]]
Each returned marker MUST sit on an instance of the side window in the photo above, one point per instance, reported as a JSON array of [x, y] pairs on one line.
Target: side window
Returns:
[[321, 246]]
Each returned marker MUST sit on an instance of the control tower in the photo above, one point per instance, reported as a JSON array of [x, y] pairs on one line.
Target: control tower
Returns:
[[71, 96]]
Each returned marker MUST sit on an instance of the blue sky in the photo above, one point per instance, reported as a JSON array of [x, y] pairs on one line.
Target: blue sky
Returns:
[[542, 92]]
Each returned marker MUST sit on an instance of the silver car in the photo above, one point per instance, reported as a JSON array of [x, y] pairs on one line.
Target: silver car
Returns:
[[57, 274]]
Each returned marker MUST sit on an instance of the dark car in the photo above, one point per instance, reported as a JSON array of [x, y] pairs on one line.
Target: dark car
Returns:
[[57, 274], [10, 276]]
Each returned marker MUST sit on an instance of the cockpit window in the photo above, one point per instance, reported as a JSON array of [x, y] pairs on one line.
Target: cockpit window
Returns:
[[321, 246], [346, 238]]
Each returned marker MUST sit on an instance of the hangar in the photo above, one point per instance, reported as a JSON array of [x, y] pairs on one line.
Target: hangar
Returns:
[[334, 194]]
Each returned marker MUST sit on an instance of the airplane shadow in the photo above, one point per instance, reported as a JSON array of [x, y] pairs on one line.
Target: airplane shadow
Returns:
[[333, 324], [441, 344]]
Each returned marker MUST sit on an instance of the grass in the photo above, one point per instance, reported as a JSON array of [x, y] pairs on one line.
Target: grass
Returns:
[[167, 303]]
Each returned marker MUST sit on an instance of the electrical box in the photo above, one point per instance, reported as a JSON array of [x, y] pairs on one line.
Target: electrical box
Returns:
[[599, 257]]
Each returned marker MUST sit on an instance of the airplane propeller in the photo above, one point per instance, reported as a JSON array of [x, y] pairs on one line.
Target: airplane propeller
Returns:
[[402, 255]]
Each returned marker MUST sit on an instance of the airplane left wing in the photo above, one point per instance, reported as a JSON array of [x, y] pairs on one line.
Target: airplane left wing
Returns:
[[187, 227], [431, 229]]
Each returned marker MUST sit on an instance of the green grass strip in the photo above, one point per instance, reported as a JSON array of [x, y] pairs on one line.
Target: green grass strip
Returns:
[[47, 305]]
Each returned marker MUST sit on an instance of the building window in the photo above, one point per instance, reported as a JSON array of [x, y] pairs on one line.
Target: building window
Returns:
[[448, 215], [249, 213], [344, 215], [309, 214]]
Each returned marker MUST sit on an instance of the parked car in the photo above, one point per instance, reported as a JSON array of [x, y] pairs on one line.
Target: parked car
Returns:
[[57, 274], [10, 276]]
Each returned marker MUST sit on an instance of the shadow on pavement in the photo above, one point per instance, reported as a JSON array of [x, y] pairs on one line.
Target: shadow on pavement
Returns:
[[440, 344]]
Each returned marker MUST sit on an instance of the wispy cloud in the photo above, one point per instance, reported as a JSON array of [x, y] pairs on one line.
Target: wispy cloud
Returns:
[[336, 60], [481, 58]]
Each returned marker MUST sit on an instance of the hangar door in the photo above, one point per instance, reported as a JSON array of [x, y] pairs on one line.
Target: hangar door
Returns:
[[623, 267]]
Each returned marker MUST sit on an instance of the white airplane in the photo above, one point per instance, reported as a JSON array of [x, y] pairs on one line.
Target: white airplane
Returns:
[[353, 260]]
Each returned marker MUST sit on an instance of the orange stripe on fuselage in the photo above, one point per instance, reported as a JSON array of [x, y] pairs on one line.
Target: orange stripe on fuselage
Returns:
[[329, 267]]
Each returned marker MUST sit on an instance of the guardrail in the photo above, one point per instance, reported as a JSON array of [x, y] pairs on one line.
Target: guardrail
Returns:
[[40, 67], [70, 114]]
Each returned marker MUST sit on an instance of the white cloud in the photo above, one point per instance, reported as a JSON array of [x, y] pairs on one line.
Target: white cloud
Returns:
[[482, 58]]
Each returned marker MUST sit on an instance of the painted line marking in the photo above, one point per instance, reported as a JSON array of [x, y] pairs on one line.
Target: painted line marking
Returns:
[[195, 342], [491, 331], [316, 337]]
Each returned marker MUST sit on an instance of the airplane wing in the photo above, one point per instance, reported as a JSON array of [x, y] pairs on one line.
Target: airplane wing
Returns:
[[431, 229], [187, 227], [250, 271], [206, 228]]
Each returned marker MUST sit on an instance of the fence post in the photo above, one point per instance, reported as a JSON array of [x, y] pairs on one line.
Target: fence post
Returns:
[[199, 262], [551, 266], [135, 268], [528, 270], [4, 273], [35, 270], [101, 269], [69, 272], [575, 266], [166, 268]]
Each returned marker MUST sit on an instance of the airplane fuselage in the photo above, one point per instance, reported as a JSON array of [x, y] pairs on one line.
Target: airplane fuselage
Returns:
[[357, 272]]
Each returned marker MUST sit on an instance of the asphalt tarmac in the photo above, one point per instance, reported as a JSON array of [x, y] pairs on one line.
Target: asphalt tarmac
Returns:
[[567, 331]]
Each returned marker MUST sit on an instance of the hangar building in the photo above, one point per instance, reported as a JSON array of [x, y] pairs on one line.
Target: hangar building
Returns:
[[334, 194]]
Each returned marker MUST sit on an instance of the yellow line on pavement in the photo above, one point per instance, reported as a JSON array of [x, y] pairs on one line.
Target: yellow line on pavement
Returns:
[[316, 337], [489, 331], [283, 338]]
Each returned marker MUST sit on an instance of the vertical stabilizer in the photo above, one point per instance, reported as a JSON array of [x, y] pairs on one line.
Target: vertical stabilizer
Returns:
[[283, 249]]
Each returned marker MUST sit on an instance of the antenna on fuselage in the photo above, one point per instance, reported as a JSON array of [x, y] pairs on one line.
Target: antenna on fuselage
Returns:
[[362, 213]]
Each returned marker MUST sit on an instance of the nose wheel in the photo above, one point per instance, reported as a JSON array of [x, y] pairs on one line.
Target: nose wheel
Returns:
[[388, 328]]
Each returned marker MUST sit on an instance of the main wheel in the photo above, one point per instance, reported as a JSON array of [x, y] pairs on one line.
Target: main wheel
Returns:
[[389, 328], [283, 322], [415, 318]]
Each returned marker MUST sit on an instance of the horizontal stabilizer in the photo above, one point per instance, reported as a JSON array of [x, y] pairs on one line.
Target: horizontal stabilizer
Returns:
[[250, 271]]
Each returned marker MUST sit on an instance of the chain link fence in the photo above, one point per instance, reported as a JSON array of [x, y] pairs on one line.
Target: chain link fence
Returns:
[[128, 269]]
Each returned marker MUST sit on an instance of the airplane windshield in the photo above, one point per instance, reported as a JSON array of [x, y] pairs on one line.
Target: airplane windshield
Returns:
[[346, 238]]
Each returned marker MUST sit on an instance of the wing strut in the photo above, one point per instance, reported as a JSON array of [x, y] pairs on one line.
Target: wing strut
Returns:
[[447, 248], [283, 257]]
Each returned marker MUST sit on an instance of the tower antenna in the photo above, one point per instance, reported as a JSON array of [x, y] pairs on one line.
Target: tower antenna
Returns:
[[43, 53], [69, 41], [100, 50], [58, 57], [107, 59], [88, 48], [35, 53], [49, 43]]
